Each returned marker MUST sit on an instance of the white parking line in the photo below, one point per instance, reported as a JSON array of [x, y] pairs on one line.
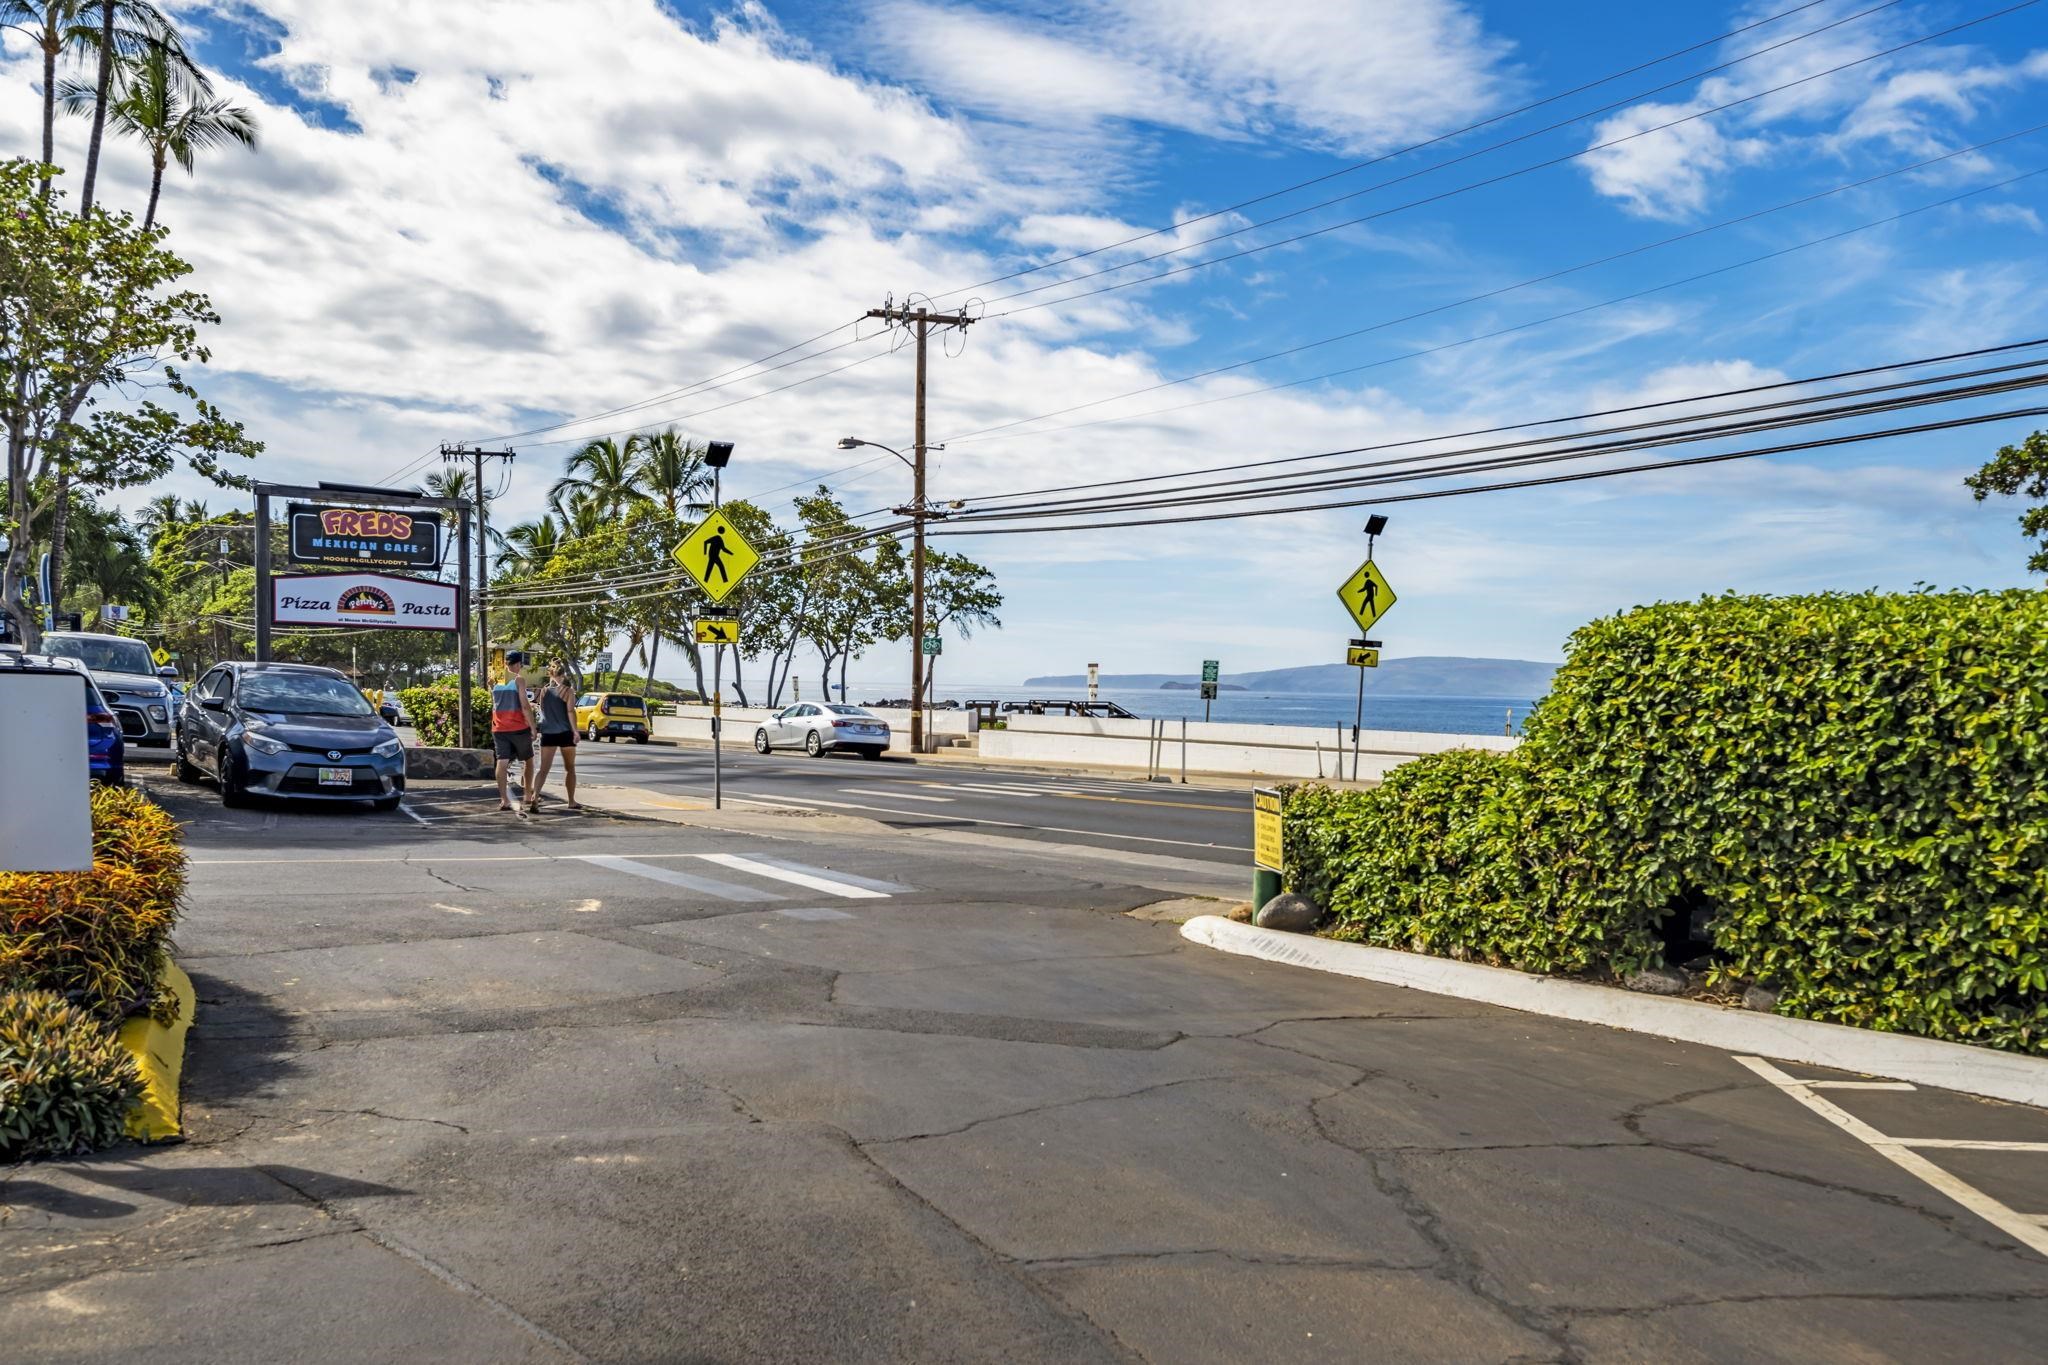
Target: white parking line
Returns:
[[1863, 1085], [829, 885], [1968, 1145], [413, 814], [2027, 1229], [900, 796]]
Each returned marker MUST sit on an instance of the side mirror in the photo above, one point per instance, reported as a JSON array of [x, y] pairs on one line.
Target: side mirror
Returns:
[[167, 673], [213, 703]]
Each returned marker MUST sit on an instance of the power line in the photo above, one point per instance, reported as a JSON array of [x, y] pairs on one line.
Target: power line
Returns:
[[1458, 190], [985, 432], [1412, 147]]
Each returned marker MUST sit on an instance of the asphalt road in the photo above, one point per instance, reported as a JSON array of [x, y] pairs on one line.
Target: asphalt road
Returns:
[[756, 1087], [1201, 822]]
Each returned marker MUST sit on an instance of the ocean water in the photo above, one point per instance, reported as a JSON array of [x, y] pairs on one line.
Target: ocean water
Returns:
[[1430, 715]]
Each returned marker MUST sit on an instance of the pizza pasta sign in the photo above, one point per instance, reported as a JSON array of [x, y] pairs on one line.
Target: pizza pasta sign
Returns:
[[362, 599]]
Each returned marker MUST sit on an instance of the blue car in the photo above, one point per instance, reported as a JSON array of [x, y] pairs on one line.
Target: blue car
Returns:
[[291, 730], [106, 750]]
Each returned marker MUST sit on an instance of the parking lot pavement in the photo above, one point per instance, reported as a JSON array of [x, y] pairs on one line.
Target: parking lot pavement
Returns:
[[489, 1089]]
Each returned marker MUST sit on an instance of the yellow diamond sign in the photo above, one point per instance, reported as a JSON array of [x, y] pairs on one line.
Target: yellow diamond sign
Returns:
[[717, 556], [1366, 595], [162, 657], [718, 632]]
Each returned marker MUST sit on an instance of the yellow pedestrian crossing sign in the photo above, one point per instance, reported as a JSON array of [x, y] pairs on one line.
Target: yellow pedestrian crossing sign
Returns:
[[718, 632], [1366, 595], [162, 656], [717, 556], [1359, 657]]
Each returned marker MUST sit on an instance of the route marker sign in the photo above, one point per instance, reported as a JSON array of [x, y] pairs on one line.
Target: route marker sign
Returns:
[[1362, 658], [1266, 841], [933, 644], [718, 632], [1211, 670], [1366, 595], [717, 556]]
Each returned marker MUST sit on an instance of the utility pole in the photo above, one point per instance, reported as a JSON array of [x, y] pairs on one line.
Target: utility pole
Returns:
[[455, 455], [920, 321]]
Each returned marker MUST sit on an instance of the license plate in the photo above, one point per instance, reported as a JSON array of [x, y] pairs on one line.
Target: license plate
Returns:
[[337, 777], [629, 726]]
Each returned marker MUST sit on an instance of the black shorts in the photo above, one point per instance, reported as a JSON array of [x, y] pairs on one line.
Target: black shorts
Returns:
[[511, 744], [558, 739]]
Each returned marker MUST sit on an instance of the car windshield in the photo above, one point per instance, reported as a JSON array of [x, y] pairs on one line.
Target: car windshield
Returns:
[[301, 694], [103, 656], [853, 711]]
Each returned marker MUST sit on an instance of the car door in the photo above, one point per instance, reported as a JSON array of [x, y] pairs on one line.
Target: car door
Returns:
[[202, 736], [788, 727]]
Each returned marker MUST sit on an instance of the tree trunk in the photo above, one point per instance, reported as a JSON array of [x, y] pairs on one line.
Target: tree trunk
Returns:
[[652, 654], [49, 114], [842, 673], [156, 188], [739, 686], [697, 669], [99, 108]]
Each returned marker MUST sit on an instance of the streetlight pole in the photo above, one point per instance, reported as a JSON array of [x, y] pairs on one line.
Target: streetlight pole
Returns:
[[917, 516]]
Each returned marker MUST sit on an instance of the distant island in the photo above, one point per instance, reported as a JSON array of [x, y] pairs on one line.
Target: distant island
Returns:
[[1419, 676]]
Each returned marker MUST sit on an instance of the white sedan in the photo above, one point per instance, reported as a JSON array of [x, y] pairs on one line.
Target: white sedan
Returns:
[[822, 727]]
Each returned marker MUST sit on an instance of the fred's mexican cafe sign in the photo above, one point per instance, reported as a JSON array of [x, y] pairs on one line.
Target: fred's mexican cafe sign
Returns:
[[361, 599]]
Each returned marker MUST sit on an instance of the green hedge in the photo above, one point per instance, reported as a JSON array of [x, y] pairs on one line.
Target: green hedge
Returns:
[[432, 710], [1853, 787]]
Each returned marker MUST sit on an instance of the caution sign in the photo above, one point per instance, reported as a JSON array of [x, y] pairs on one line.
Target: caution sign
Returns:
[[718, 632], [162, 656], [1266, 845], [717, 556], [1362, 658], [1366, 595]]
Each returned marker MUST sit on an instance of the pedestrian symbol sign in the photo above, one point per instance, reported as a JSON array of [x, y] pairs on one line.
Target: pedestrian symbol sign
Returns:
[[717, 556], [1366, 595], [162, 656], [1359, 657], [718, 632]]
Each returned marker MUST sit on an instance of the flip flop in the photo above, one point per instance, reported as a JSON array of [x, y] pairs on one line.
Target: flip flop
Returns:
[[502, 805]]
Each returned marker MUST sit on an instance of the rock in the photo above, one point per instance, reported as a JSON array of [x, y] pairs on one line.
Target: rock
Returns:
[[1762, 999], [1659, 981], [1289, 913]]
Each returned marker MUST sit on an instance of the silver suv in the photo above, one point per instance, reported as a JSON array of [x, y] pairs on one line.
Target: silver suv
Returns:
[[135, 688]]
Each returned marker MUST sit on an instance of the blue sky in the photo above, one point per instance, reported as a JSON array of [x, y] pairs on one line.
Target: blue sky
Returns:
[[470, 220]]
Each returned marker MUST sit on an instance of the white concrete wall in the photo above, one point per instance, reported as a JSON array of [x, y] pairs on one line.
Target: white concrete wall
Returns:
[[693, 723], [1216, 747]]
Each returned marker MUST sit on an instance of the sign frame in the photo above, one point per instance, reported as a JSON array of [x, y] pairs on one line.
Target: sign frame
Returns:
[[1268, 839], [417, 548], [380, 595]]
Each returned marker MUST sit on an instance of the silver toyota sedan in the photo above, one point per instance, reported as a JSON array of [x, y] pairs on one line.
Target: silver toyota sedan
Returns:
[[817, 728]]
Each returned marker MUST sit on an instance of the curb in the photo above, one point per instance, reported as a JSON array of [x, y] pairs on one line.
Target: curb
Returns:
[[1895, 1056], [159, 1052]]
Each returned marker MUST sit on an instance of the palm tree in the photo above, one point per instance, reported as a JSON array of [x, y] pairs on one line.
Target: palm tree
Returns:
[[160, 513], [530, 545], [601, 473], [55, 27], [671, 471], [116, 44], [162, 109]]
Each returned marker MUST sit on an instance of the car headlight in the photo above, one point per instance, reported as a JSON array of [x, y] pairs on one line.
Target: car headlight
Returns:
[[263, 744], [158, 713], [390, 748]]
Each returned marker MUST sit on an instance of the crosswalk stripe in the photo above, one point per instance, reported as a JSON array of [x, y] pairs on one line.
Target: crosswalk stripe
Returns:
[[992, 791], [870, 791], [871, 883], [829, 885], [708, 886]]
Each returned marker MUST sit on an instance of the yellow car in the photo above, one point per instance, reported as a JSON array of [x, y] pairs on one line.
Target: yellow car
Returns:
[[608, 715]]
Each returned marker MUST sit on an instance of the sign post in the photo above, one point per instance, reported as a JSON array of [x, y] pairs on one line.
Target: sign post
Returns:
[[1268, 848], [1366, 596]]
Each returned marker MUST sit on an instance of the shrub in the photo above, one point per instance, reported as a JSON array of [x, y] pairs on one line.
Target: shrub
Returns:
[[65, 1083], [98, 937], [432, 708], [1852, 789]]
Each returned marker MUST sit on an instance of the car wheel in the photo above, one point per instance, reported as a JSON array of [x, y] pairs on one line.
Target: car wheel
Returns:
[[590, 732], [386, 803], [639, 739], [186, 772], [761, 745], [814, 746], [231, 794]]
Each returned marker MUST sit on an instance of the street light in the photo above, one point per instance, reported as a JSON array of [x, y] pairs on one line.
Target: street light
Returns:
[[917, 516]]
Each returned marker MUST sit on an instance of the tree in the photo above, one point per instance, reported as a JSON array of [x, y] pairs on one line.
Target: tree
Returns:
[[601, 473], [671, 471], [57, 28], [107, 555], [89, 304], [163, 108], [960, 592], [124, 29], [2021, 471]]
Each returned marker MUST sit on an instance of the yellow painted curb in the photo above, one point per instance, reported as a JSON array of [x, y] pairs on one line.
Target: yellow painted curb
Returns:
[[159, 1052]]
